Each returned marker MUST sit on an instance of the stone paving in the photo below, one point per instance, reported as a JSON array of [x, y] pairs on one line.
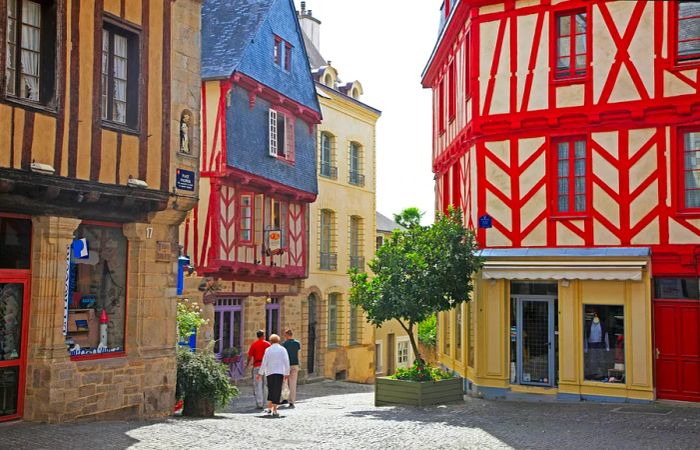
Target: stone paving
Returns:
[[337, 415]]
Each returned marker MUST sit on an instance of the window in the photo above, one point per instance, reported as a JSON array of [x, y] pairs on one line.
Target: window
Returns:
[[328, 260], [379, 242], [333, 303], [276, 218], [98, 286], [467, 74], [356, 177], [604, 343], [690, 143], [441, 107], [282, 53], [355, 325], [228, 324], [688, 32], [357, 261], [15, 243], [326, 166], [403, 349], [31, 50], [571, 179], [458, 333], [452, 94], [571, 46], [245, 214], [119, 76], [471, 333], [281, 134], [677, 288], [272, 316], [445, 322], [378, 357]]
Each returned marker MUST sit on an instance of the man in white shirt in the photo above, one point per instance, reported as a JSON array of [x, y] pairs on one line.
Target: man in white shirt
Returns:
[[275, 365]]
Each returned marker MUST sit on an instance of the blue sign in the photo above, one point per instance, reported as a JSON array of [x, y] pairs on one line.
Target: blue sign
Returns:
[[184, 179], [485, 221], [80, 249]]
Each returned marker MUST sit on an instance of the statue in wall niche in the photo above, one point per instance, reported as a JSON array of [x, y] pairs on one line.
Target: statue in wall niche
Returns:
[[185, 120]]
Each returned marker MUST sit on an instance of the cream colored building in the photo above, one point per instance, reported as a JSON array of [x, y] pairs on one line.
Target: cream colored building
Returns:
[[340, 343]]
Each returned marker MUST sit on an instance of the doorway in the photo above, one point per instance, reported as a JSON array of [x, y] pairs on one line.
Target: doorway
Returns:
[[14, 302], [533, 337], [313, 317]]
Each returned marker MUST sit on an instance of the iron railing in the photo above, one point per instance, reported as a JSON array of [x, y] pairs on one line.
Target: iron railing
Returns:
[[356, 178], [328, 261], [329, 171]]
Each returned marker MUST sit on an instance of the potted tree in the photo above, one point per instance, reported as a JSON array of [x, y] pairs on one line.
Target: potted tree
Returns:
[[418, 272], [202, 383]]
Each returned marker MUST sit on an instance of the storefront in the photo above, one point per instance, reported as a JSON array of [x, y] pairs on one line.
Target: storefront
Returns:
[[573, 323]]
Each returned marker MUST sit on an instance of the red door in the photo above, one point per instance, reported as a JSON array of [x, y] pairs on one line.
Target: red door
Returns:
[[14, 302], [677, 341]]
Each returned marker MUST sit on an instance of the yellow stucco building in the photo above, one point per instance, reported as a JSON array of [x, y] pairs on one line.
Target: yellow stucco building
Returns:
[[340, 342]]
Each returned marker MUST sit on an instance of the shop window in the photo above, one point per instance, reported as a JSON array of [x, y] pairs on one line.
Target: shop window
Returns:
[[15, 243], [690, 146], [676, 288], [688, 30], [533, 288], [604, 343], [31, 50], [11, 314], [272, 316], [571, 52], [570, 177], [98, 287], [120, 75]]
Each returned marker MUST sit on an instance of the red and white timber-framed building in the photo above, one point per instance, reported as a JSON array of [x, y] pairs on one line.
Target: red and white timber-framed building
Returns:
[[569, 134]]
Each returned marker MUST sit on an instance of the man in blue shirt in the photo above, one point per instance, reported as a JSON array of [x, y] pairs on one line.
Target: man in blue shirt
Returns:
[[293, 348]]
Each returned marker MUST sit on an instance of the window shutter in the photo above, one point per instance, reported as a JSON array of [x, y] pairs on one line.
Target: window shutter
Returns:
[[259, 219], [273, 133], [289, 138]]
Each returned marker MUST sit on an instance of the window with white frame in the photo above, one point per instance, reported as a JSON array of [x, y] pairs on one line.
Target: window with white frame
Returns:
[[119, 75], [356, 176], [327, 169], [403, 352], [281, 135], [378, 356]]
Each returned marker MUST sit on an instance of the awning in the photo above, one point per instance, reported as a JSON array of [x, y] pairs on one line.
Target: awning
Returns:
[[565, 264]]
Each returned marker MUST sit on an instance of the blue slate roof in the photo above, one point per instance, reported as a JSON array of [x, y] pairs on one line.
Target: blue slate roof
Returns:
[[238, 36], [574, 252]]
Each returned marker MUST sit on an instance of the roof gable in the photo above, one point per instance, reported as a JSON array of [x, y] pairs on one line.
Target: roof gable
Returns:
[[239, 36]]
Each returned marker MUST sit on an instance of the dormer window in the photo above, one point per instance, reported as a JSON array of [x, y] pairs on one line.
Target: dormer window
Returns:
[[282, 54], [281, 135]]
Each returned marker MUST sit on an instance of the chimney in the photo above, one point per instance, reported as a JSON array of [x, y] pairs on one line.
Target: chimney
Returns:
[[310, 25]]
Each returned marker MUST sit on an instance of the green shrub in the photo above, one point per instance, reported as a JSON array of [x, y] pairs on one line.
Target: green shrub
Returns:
[[201, 376], [189, 318], [427, 331], [420, 371]]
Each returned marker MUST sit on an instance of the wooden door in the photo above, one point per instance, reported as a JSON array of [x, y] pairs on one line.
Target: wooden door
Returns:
[[677, 349]]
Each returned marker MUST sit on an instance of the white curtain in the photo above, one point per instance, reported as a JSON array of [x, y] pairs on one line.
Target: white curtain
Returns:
[[31, 38], [120, 77]]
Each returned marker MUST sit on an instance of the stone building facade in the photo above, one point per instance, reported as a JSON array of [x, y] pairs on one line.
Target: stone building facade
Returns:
[[98, 167]]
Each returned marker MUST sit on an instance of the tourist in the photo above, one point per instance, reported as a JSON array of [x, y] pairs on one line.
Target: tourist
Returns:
[[275, 366], [293, 348], [255, 355]]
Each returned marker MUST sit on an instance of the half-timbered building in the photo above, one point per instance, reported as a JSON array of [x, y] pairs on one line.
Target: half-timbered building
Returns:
[[569, 133], [249, 233], [98, 118]]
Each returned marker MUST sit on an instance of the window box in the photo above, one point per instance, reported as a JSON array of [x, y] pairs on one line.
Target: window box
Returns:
[[388, 391]]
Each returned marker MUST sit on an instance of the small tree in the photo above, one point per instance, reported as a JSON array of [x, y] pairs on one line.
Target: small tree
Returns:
[[420, 271]]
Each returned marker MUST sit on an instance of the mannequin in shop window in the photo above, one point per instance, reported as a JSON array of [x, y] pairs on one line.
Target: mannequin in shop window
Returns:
[[596, 345]]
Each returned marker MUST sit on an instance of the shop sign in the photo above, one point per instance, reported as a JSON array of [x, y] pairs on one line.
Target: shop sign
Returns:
[[485, 221], [163, 251], [184, 179], [274, 240]]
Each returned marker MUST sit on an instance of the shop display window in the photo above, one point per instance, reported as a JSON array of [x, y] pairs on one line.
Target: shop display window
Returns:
[[15, 239], [97, 301], [604, 343], [9, 392], [677, 288], [11, 302]]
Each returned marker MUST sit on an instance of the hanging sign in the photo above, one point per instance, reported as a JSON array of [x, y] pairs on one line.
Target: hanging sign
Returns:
[[67, 298], [80, 249], [274, 240], [485, 221], [184, 179]]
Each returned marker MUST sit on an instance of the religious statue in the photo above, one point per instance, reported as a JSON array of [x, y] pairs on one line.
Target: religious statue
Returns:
[[185, 133]]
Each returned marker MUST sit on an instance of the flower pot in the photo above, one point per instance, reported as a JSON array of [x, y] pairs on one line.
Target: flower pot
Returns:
[[388, 391], [198, 407], [228, 360]]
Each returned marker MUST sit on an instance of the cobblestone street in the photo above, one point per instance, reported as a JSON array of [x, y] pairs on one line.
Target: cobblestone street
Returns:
[[342, 415]]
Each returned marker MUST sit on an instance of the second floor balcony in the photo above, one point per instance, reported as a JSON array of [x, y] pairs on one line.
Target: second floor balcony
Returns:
[[328, 261], [329, 171], [356, 178]]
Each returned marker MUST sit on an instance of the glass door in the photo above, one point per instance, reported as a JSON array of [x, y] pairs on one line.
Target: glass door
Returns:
[[13, 329], [535, 341]]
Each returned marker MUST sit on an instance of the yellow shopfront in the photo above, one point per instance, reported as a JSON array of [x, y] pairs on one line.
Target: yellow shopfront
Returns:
[[573, 323]]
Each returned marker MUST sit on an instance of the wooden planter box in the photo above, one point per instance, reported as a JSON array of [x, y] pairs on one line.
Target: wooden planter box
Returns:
[[416, 393]]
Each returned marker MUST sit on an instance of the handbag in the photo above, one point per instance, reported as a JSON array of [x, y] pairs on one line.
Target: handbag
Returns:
[[285, 390]]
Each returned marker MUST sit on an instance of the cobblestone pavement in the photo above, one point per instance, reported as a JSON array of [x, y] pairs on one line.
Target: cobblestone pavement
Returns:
[[337, 415]]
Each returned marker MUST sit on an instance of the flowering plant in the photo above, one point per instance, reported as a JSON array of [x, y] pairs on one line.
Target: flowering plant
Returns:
[[189, 318], [421, 371]]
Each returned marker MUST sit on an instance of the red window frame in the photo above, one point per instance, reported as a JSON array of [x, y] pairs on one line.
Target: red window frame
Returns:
[[467, 66], [682, 150], [572, 72], [287, 56], [452, 91], [242, 216], [570, 177], [441, 106], [446, 191], [277, 51], [694, 57]]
